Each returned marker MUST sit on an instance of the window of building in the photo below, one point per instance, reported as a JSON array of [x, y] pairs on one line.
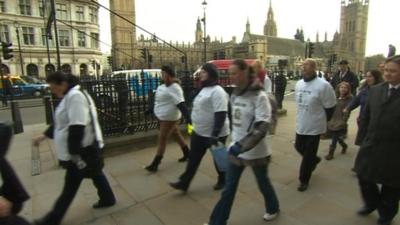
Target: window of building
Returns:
[[32, 70], [25, 7], [2, 6], [28, 34], [95, 43], [51, 41], [62, 12], [4, 33], [80, 14], [63, 36], [93, 14], [81, 39], [41, 8]]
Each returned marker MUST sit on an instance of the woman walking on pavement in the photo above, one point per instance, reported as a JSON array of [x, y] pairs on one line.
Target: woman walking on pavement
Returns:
[[372, 77], [251, 116], [78, 141], [338, 123], [168, 108], [210, 125]]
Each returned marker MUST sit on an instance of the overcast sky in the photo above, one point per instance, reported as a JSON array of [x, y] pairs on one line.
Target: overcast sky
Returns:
[[176, 19]]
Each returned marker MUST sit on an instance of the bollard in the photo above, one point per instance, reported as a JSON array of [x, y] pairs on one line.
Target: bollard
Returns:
[[16, 117], [48, 109]]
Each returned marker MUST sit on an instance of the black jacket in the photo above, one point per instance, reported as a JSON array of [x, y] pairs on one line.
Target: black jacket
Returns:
[[349, 77], [12, 188], [379, 155]]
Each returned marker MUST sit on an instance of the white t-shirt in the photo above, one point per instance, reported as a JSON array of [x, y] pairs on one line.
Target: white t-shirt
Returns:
[[166, 101], [311, 99], [209, 101], [267, 85], [248, 109], [74, 110]]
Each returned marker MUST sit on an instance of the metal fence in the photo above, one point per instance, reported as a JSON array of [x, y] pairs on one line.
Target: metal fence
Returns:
[[123, 101]]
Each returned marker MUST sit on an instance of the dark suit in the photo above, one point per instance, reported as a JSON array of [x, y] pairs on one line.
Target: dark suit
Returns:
[[378, 160], [349, 77]]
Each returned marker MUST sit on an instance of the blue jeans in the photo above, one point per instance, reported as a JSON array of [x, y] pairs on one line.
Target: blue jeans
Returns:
[[222, 209]]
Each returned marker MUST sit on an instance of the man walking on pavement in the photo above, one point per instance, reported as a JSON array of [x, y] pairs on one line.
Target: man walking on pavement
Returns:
[[344, 74], [377, 161], [315, 102]]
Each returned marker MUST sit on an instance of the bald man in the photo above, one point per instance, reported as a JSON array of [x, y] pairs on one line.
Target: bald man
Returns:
[[315, 102]]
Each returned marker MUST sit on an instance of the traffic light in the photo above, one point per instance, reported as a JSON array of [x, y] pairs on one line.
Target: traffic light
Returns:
[[150, 58], [311, 48], [143, 52], [110, 60], [7, 50]]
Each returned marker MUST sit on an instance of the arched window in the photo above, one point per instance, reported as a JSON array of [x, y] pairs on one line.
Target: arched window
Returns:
[[66, 68], [83, 70], [32, 70], [49, 68], [5, 69]]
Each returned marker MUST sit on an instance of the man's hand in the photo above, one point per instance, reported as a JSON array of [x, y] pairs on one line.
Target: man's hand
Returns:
[[5, 207]]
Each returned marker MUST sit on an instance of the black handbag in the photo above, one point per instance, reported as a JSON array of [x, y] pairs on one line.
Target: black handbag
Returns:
[[92, 155]]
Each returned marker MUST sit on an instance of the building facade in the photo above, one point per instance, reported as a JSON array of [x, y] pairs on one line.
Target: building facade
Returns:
[[23, 23], [347, 44]]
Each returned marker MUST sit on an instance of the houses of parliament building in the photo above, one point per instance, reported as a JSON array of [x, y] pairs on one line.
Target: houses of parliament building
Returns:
[[348, 43]]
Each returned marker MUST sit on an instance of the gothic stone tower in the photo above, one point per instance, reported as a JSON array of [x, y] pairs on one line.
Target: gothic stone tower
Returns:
[[198, 32], [270, 24], [123, 34], [353, 32]]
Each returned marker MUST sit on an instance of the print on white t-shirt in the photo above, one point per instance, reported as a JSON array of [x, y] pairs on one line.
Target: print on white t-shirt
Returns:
[[209, 101], [312, 98]]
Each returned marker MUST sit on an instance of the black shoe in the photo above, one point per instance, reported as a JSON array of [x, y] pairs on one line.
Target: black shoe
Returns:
[[384, 221], [365, 211], [185, 157], [302, 187], [99, 205], [179, 186], [219, 185]]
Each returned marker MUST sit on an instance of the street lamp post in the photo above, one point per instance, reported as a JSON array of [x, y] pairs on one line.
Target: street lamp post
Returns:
[[21, 60], [205, 33]]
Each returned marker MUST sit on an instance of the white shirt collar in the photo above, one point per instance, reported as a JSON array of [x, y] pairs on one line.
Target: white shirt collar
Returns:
[[394, 86]]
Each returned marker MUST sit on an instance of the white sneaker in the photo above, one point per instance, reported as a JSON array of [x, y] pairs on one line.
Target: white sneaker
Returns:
[[270, 217]]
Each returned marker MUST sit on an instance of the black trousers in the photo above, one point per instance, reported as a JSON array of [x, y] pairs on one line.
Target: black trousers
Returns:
[[307, 146], [73, 180], [385, 200], [198, 147]]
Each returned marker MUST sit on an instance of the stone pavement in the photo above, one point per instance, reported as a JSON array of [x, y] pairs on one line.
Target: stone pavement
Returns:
[[147, 199]]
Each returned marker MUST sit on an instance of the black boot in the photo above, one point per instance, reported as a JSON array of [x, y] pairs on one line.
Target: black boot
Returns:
[[344, 148], [221, 182], [153, 167], [185, 151]]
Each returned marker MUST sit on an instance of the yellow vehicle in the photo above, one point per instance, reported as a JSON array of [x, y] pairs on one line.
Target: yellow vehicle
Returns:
[[19, 87]]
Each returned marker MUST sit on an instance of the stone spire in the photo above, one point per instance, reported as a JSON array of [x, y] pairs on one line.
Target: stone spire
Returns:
[[270, 25], [198, 32], [248, 26]]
